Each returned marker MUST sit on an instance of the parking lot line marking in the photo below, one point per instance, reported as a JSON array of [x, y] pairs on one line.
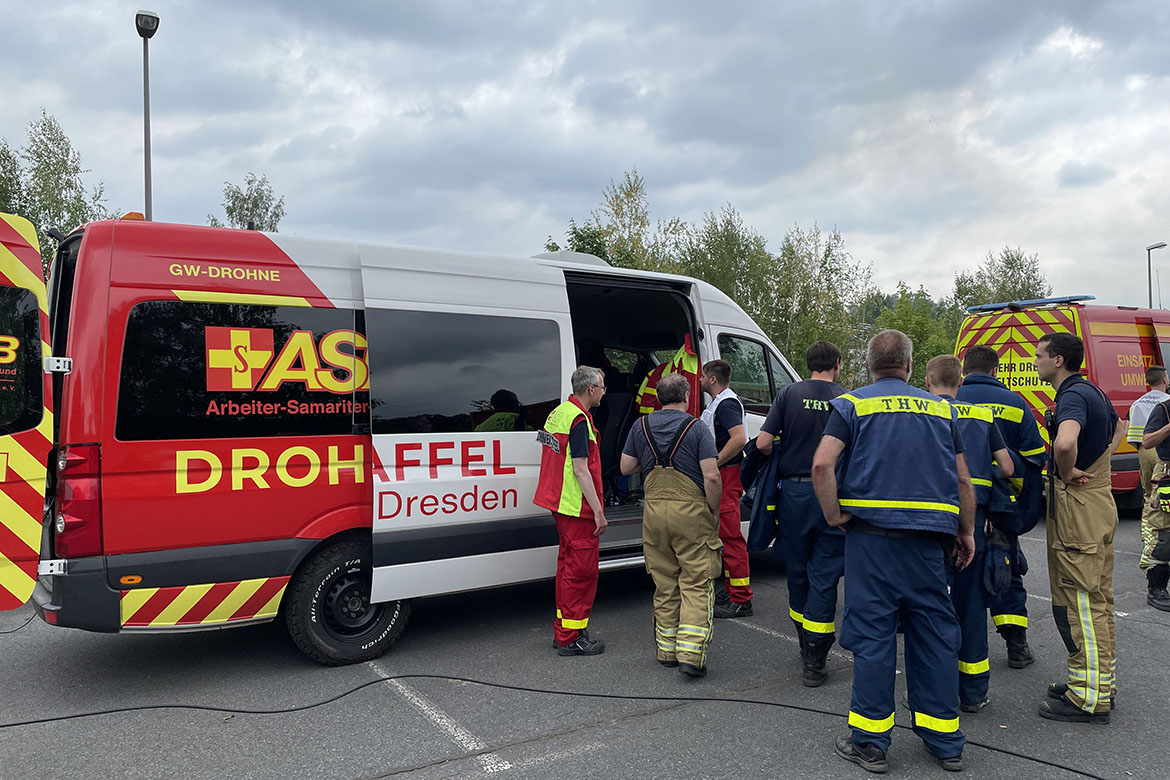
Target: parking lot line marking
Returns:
[[559, 755], [785, 637], [489, 762]]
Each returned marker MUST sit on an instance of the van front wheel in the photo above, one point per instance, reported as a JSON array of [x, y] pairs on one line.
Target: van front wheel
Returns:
[[328, 613]]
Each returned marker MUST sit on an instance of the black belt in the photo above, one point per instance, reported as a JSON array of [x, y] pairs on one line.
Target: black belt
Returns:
[[857, 524], [804, 478]]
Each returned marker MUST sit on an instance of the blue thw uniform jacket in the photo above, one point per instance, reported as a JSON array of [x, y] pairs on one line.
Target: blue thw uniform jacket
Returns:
[[898, 469]]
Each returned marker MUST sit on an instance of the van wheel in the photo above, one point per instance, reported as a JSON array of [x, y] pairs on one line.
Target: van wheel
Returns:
[[329, 615]]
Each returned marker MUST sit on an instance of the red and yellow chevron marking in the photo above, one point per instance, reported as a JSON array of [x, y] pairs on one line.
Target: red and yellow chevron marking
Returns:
[[1014, 335], [202, 605], [22, 455]]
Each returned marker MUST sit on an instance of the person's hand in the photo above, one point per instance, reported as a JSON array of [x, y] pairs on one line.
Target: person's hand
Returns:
[[1077, 478], [841, 519], [964, 549], [600, 522]]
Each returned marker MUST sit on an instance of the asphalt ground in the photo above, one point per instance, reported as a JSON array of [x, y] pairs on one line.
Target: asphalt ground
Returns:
[[433, 728]]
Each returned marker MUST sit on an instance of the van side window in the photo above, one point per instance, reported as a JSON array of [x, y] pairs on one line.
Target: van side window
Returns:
[[21, 377], [453, 373], [749, 371], [229, 370]]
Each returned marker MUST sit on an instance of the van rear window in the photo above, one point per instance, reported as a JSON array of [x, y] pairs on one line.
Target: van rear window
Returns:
[[228, 370], [21, 376], [437, 372]]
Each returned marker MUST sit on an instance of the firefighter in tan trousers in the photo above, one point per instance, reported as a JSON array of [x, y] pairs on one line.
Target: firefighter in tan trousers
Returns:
[[1085, 431], [680, 533]]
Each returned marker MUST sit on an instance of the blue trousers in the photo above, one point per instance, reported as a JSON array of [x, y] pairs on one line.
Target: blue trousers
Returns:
[[1010, 608], [968, 597], [892, 579], [814, 554]]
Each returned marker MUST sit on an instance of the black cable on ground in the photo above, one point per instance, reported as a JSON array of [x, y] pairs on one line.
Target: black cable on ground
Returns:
[[22, 625], [518, 688]]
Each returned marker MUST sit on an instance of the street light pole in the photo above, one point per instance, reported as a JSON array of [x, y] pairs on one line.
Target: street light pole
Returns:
[[146, 22], [1149, 276]]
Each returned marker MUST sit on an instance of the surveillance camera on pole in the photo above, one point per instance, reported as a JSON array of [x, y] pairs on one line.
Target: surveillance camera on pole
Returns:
[[146, 22]]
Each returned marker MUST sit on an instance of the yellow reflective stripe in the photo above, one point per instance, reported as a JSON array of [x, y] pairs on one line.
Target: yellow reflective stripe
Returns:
[[1030, 453], [771, 507], [819, 628], [869, 724], [204, 296], [1009, 413], [236, 599], [569, 623], [187, 598], [683, 627], [975, 412], [792, 613], [1089, 635], [979, 667], [882, 504], [273, 606], [666, 631], [740, 581], [1135, 430], [898, 403], [981, 482], [14, 579], [694, 648], [665, 645], [943, 725], [1010, 620]]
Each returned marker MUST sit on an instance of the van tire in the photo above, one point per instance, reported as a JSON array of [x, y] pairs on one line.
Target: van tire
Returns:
[[328, 613]]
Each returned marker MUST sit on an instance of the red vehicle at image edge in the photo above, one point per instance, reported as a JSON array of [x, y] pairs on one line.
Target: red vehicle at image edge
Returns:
[[222, 427]]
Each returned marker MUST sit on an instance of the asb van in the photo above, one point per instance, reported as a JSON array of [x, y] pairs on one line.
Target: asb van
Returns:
[[222, 427], [1121, 342]]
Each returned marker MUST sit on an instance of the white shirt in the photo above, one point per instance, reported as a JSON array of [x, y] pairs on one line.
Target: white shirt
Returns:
[[708, 416], [1139, 414]]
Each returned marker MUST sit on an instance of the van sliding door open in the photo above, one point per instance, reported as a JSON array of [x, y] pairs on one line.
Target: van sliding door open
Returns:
[[467, 359]]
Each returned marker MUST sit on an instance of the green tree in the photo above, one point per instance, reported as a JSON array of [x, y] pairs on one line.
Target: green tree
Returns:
[[917, 315], [1009, 276], [251, 207], [43, 182], [588, 238]]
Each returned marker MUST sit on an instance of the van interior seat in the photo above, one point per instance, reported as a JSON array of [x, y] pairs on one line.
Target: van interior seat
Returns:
[[619, 418]]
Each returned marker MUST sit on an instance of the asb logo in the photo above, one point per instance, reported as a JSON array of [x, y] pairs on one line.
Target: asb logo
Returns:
[[237, 357], [245, 359]]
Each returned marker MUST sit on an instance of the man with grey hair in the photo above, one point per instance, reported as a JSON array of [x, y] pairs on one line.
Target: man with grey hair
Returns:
[[680, 533], [890, 469], [570, 488]]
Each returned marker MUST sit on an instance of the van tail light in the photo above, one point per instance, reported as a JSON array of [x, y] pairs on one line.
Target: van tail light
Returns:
[[77, 519]]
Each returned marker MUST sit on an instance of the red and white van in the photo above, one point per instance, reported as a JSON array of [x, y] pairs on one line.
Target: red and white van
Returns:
[[242, 426]]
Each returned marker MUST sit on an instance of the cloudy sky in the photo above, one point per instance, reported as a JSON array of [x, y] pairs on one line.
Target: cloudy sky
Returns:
[[928, 131]]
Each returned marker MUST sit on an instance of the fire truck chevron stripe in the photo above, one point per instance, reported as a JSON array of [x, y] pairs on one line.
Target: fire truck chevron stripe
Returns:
[[15, 584], [205, 604]]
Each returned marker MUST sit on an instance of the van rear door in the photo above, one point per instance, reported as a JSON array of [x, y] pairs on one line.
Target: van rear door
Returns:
[[25, 419]]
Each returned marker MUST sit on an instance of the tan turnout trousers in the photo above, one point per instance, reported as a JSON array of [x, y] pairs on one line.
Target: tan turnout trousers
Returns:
[[1080, 570], [1153, 518], [680, 541]]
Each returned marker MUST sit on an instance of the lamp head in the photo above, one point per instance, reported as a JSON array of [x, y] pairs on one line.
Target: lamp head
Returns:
[[1159, 245], [147, 23]]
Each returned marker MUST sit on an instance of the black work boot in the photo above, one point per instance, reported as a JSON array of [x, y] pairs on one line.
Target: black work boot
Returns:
[[1058, 690], [1157, 596], [733, 609], [1065, 711], [582, 645], [1019, 654], [865, 755], [814, 663], [803, 639]]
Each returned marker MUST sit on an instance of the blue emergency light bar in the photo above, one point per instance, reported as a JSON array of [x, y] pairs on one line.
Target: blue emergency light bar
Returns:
[[1016, 305]]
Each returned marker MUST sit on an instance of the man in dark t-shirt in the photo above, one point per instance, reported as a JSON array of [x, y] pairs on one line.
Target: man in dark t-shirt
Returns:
[[813, 551], [1085, 431]]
